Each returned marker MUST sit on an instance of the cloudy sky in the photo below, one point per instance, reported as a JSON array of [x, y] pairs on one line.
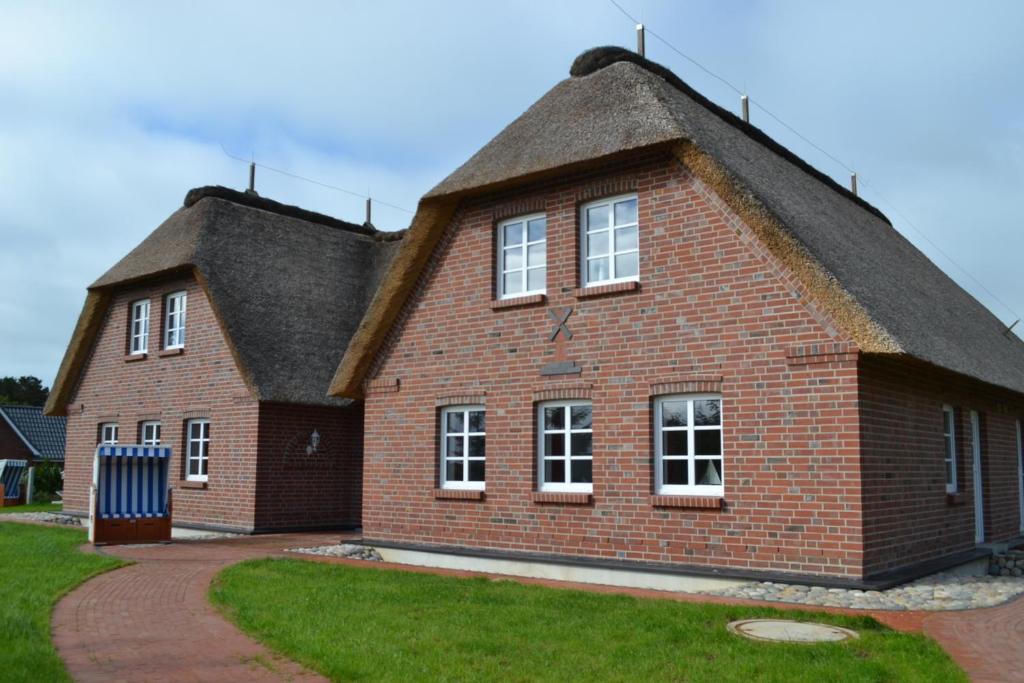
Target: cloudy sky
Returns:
[[110, 112]]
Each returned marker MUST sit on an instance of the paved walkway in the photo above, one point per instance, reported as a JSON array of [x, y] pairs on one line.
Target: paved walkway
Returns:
[[152, 622]]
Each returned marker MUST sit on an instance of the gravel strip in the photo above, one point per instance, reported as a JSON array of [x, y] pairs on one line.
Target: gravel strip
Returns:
[[347, 550], [48, 517]]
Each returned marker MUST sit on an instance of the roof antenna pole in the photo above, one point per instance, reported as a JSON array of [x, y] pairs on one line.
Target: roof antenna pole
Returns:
[[640, 40], [252, 177], [853, 184], [369, 211], [1010, 328], [745, 107]]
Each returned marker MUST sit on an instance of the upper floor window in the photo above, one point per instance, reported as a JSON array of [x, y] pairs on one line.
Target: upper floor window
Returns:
[[949, 446], [150, 433], [688, 445], [108, 433], [197, 449], [566, 437], [174, 321], [463, 436], [609, 241], [140, 326], [522, 257]]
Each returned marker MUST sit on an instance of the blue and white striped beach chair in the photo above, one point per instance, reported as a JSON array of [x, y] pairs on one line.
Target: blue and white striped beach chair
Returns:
[[131, 498], [10, 481]]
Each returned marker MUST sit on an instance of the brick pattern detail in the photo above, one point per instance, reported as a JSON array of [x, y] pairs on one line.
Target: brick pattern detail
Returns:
[[458, 494], [518, 207], [531, 300], [461, 400], [562, 498], [382, 386], [690, 385], [583, 392], [822, 353], [11, 445], [604, 290], [708, 502]]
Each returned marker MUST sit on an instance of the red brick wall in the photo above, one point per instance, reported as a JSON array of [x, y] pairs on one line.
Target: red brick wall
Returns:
[[712, 304], [11, 445], [296, 488], [907, 514], [201, 382]]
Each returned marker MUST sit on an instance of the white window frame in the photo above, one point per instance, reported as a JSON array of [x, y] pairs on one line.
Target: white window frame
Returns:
[[139, 327], [1020, 473], [612, 229], [108, 433], [567, 432], [465, 483], [174, 321], [204, 454], [690, 489], [524, 249], [149, 433], [949, 446]]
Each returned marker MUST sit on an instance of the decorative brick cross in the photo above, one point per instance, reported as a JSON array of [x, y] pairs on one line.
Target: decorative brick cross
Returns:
[[560, 316]]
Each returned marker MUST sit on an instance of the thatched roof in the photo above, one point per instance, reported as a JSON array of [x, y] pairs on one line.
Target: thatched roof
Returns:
[[879, 288], [288, 287]]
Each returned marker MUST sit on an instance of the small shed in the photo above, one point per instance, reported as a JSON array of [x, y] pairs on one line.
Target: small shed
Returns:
[[130, 498]]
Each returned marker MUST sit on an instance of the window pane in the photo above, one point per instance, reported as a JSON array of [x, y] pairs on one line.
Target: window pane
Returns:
[[597, 217], [535, 255], [453, 470], [597, 244], [706, 413], [554, 418], [627, 265], [707, 442], [582, 444], [455, 421], [476, 421], [554, 444], [536, 278], [708, 472], [513, 234], [947, 422], [195, 430], [476, 446], [554, 471], [674, 472], [476, 470], [193, 466], [581, 417], [674, 443], [206, 430], [949, 472], [625, 239], [514, 258], [455, 447], [536, 229], [949, 446], [625, 212], [597, 270], [582, 471], [513, 283], [673, 413], [202, 467]]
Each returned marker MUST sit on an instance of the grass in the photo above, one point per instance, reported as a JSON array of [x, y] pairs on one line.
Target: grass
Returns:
[[34, 507], [365, 624], [38, 565]]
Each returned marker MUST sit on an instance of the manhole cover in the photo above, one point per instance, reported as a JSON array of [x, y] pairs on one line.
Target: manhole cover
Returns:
[[782, 630]]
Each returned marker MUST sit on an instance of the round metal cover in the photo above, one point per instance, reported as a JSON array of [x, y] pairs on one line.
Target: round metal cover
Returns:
[[785, 631]]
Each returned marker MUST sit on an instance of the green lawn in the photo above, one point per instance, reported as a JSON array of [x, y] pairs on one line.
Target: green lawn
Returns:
[[356, 624], [37, 566], [34, 507]]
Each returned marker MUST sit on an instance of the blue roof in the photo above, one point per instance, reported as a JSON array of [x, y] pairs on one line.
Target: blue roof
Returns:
[[41, 433]]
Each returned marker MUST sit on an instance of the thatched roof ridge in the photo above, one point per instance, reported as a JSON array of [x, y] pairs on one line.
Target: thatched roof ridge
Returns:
[[875, 284], [288, 287]]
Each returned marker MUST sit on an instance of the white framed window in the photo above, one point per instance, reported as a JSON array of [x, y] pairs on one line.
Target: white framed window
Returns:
[[174, 320], [140, 327], [949, 446], [463, 436], [522, 256], [688, 455], [197, 437], [565, 446], [609, 241], [1020, 473], [150, 433], [108, 433]]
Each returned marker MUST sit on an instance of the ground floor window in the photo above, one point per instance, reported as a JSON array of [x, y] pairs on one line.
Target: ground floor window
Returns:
[[565, 446], [150, 432], [949, 446], [688, 445], [463, 458], [197, 434], [108, 433]]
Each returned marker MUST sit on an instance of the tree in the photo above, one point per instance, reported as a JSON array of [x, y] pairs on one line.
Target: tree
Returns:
[[26, 391]]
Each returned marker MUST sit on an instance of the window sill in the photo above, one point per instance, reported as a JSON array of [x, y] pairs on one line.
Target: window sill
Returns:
[[604, 290], [516, 302], [192, 484], [562, 498], [459, 494], [172, 352], [703, 502], [135, 357], [957, 498]]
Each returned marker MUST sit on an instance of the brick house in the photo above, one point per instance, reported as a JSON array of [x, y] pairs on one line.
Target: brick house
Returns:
[[635, 331], [218, 336], [27, 434]]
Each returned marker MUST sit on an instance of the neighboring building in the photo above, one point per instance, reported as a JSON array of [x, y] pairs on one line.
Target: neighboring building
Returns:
[[27, 434], [218, 336], [635, 329]]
